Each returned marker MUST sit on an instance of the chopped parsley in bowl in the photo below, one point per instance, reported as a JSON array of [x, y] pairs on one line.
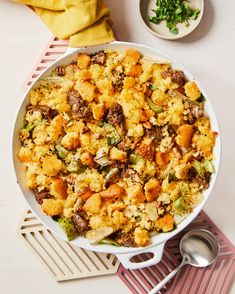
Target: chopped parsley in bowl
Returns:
[[173, 12], [171, 19]]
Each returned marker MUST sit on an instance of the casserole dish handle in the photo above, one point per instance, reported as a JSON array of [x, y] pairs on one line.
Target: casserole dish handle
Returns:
[[125, 258]]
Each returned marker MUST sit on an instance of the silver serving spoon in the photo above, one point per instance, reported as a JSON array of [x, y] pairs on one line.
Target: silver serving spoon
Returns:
[[198, 248]]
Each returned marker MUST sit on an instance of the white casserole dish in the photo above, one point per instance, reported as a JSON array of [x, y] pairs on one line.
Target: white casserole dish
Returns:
[[124, 254]]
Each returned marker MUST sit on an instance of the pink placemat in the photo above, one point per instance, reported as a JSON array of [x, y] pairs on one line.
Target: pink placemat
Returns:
[[215, 279]]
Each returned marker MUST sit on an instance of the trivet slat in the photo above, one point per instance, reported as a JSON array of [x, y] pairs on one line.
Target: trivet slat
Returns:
[[44, 256], [93, 261], [190, 280], [29, 229], [70, 264], [91, 266], [230, 276], [223, 268], [129, 283], [30, 222], [75, 262], [63, 260], [52, 253]]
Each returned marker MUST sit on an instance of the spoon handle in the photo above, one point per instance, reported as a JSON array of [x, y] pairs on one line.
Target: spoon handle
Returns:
[[167, 278]]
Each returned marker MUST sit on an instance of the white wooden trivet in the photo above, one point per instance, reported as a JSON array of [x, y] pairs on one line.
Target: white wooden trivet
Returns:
[[63, 260]]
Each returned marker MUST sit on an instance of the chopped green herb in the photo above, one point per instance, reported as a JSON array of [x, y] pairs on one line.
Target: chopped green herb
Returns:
[[174, 228], [157, 109], [53, 73], [172, 28], [51, 80], [112, 135], [29, 127], [104, 169], [153, 87], [179, 204], [134, 158], [76, 167], [81, 168], [194, 14], [70, 122], [138, 218], [68, 227], [171, 177], [111, 175], [184, 188], [61, 151], [109, 241], [103, 160], [173, 12], [100, 124], [112, 141], [202, 167], [201, 99]]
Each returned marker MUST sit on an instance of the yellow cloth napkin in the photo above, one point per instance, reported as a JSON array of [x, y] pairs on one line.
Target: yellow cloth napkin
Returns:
[[83, 22]]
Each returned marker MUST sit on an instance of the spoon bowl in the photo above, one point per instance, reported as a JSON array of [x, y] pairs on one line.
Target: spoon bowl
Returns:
[[198, 248]]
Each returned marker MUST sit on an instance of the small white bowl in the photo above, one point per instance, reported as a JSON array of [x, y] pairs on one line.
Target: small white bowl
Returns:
[[160, 30]]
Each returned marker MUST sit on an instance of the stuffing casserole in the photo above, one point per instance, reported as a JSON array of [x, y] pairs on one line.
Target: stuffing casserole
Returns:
[[117, 147]]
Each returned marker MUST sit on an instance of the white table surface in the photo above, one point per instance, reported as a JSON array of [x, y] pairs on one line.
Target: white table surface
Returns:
[[209, 53]]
